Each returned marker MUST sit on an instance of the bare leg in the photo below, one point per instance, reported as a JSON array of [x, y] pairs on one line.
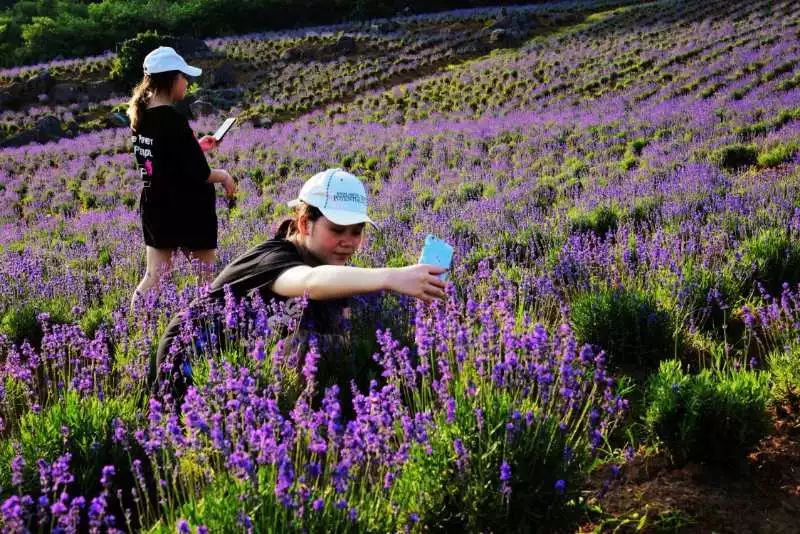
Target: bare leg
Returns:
[[159, 261], [206, 259]]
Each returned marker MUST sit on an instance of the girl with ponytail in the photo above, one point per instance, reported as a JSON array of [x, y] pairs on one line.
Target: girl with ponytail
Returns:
[[178, 200]]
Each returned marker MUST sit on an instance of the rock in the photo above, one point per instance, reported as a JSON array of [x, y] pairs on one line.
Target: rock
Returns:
[[12, 95], [23, 138], [102, 90], [39, 83], [231, 93], [515, 22], [192, 47], [202, 107], [294, 53], [117, 119], [225, 74], [498, 35], [65, 93], [345, 45], [48, 128]]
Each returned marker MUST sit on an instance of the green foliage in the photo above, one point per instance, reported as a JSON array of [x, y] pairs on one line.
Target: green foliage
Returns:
[[600, 220], [21, 322], [778, 154], [93, 318], [734, 156], [127, 67], [784, 367], [469, 499], [775, 257], [80, 426], [47, 29], [644, 209], [626, 323], [713, 417], [469, 191], [698, 282]]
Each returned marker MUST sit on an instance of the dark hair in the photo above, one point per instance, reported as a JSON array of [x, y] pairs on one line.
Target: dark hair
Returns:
[[150, 85], [288, 227]]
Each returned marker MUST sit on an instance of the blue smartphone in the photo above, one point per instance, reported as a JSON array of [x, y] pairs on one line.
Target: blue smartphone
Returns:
[[436, 252]]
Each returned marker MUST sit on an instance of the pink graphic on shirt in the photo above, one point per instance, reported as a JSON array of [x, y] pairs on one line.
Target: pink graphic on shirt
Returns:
[[148, 166]]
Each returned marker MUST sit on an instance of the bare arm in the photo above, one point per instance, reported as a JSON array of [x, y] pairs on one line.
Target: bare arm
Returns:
[[335, 281], [220, 176]]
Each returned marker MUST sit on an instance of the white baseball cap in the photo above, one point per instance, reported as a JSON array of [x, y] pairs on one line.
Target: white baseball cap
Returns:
[[340, 196], [164, 59]]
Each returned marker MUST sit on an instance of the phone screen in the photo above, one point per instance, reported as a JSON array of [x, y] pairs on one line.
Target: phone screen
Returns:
[[436, 252], [223, 129]]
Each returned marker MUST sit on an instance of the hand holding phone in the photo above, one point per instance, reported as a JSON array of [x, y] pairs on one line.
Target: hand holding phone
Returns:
[[223, 129], [436, 252]]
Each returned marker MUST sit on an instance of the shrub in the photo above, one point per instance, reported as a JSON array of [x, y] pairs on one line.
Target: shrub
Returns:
[[711, 417], [734, 156], [706, 294], [626, 323], [778, 154], [81, 426], [127, 67], [469, 191], [784, 367], [21, 322], [643, 210], [775, 258], [600, 220]]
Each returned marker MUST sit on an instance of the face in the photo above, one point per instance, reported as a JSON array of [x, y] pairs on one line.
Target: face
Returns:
[[332, 243], [179, 87]]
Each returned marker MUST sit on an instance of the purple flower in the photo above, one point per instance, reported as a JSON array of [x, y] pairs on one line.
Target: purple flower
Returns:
[[451, 410], [183, 527], [17, 470], [107, 473], [505, 478], [462, 456], [479, 418], [505, 472], [560, 486]]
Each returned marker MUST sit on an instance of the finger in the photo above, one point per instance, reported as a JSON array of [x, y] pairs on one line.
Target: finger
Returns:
[[436, 293], [432, 291], [425, 298], [436, 281], [434, 269]]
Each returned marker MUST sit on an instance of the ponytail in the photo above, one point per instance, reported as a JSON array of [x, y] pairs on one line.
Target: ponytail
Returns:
[[288, 227], [138, 102], [146, 89]]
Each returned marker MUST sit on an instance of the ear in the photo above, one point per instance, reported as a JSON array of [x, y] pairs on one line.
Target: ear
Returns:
[[303, 225]]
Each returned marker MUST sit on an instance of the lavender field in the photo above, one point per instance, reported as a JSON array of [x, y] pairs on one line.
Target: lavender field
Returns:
[[621, 181]]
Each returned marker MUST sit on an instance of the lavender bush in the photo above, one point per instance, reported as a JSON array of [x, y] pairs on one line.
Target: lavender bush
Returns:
[[593, 159]]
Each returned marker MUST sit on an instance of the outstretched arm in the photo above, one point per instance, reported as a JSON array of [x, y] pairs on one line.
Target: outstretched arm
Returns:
[[335, 281]]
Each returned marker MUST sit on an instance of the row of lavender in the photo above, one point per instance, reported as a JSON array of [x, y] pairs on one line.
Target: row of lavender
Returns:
[[279, 75], [670, 201]]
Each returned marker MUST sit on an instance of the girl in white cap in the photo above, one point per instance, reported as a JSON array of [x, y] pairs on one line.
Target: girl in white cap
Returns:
[[177, 203], [307, 256]]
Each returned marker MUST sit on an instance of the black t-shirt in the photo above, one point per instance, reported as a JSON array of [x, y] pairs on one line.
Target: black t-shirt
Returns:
[[177, 204], [258, 268]]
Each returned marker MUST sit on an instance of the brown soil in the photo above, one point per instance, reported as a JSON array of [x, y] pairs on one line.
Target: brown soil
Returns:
[[761, 496]]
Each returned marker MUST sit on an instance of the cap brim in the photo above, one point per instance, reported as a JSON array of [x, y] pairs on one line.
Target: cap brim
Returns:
[[346, 218], [191, 71], [293, 203]]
